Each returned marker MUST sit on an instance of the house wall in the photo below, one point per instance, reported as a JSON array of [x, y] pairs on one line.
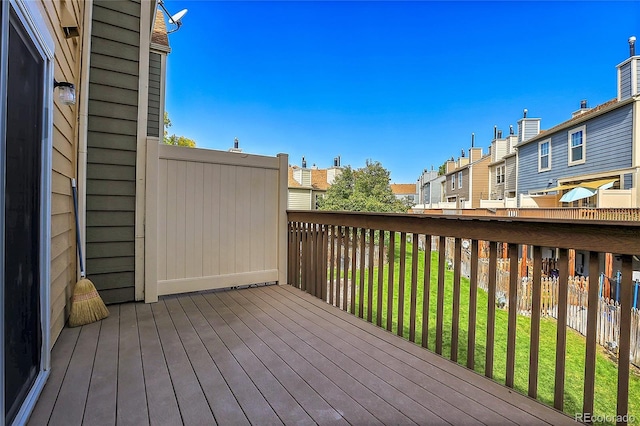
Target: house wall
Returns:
[[65, 139], [299, 199], [625, 80], [111, 141], [480, 176], [609, 145], [154, 118], [510, 174]]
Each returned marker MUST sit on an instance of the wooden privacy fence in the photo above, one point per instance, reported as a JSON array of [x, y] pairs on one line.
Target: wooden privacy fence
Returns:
[[391, 294], [214, 219]]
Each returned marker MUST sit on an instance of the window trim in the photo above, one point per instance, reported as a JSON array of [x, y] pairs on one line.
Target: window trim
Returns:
[[501, 172], [540, 168], [453, 181], [570, 133], [460, 180]]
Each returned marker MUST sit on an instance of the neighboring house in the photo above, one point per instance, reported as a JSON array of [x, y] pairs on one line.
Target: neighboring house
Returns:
[[466, 180], [107, 51], [306, 185], [405, 191], [592, 159], [430, 189], [502, 171]]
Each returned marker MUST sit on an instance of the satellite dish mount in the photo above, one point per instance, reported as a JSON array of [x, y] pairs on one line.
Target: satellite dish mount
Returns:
[[175, 20]]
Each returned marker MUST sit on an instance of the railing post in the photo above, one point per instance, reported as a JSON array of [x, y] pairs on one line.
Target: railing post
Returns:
[[626, 291], [536, 299], [513, 311], [561, 340]]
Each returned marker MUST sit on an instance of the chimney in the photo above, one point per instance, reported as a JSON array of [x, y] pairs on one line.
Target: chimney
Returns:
[[524, 113], [632, 46], [583, 108], [583, 104], [511, 129], [499, 134], [236, 146], [304, 163]]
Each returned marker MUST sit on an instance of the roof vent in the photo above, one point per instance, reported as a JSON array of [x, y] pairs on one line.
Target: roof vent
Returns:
[[632, 46], [511, 129], [524, 113], [583, 104], [304, 163]]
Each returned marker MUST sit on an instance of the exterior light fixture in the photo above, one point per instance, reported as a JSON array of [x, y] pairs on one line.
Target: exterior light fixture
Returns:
[[66, 92]]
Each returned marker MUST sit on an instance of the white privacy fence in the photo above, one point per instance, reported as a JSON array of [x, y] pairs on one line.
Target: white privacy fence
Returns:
[[214, 219]]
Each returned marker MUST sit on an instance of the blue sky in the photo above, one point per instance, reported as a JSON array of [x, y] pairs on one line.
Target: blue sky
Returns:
[[403, 83]]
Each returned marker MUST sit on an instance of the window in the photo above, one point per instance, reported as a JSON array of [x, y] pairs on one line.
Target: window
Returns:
[[577, 145], [544, 155], [500, 174], [453, 181], [459, 180]]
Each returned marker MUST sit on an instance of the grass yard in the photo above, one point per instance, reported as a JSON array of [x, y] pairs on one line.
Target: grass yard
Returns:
[[606, 369]]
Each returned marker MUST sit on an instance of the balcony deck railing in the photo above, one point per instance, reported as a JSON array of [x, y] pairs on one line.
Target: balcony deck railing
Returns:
[[371, 265], [617, 214]]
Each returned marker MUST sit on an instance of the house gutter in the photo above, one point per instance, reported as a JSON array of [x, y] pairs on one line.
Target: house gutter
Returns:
[[83, 121]]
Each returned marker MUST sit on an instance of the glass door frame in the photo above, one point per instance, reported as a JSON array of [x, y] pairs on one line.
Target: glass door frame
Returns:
[[29, 14]]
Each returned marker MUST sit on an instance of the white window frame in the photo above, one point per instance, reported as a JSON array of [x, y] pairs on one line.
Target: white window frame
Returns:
[[459, 180], [500, 174], [29, 14], [570, 133], [540, 144]]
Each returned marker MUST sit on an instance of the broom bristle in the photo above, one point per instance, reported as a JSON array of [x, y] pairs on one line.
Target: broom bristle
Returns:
[[86, 304]]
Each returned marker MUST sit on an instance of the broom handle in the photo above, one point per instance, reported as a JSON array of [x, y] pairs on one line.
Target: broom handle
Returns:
[[75, 209]]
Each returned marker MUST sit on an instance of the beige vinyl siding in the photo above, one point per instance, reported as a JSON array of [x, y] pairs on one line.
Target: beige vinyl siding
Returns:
[[155, 76], [111, 142], [299, 199], [65, 119], [480, 181]]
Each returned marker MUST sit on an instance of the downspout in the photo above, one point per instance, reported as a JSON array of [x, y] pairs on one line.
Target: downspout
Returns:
[[141, 147], [83, 121]]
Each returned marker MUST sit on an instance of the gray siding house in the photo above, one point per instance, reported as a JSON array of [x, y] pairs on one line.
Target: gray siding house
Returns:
[[596, 149]]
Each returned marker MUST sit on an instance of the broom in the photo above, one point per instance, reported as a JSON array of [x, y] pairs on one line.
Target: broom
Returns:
[[86, 304]]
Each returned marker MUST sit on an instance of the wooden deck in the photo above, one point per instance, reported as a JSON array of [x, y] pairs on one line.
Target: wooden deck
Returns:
[[266, 355]]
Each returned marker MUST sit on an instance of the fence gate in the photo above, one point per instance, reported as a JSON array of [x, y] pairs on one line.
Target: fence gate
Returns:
[[214, 219]]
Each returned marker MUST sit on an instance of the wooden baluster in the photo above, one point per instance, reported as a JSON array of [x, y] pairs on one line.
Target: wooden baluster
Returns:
[[455, 316], [473, 306], [370, 280], [380, 277], [362, 261], [402, 273], [561, 340], [592, 325], [345, 283], [414, 288], [338, 266], [513, 314], [332, 262], [440, 302], [534, 345], [391, 255], [624, 348], [290, 252], [354, 268], [491, 310], [426, 291]]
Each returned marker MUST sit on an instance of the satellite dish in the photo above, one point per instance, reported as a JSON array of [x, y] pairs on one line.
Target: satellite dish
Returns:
[[175, 19]]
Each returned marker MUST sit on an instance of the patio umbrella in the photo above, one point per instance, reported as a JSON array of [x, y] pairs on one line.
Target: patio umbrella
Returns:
[[577, 194]]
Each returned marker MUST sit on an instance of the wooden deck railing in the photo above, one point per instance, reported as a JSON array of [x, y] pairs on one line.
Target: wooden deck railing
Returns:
[[370, 264], [569, 213]]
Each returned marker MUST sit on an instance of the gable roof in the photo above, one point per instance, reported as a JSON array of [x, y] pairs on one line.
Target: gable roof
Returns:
[[159, 35], [318, 179], [593, 112], [403, 188]]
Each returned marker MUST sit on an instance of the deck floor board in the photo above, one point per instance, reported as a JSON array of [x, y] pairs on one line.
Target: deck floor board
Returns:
[[265, 355]]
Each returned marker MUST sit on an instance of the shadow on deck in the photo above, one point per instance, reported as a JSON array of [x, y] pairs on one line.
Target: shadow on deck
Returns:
[[266, 355]]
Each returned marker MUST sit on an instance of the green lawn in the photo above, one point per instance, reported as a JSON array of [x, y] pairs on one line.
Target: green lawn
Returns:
[[606, 369]]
